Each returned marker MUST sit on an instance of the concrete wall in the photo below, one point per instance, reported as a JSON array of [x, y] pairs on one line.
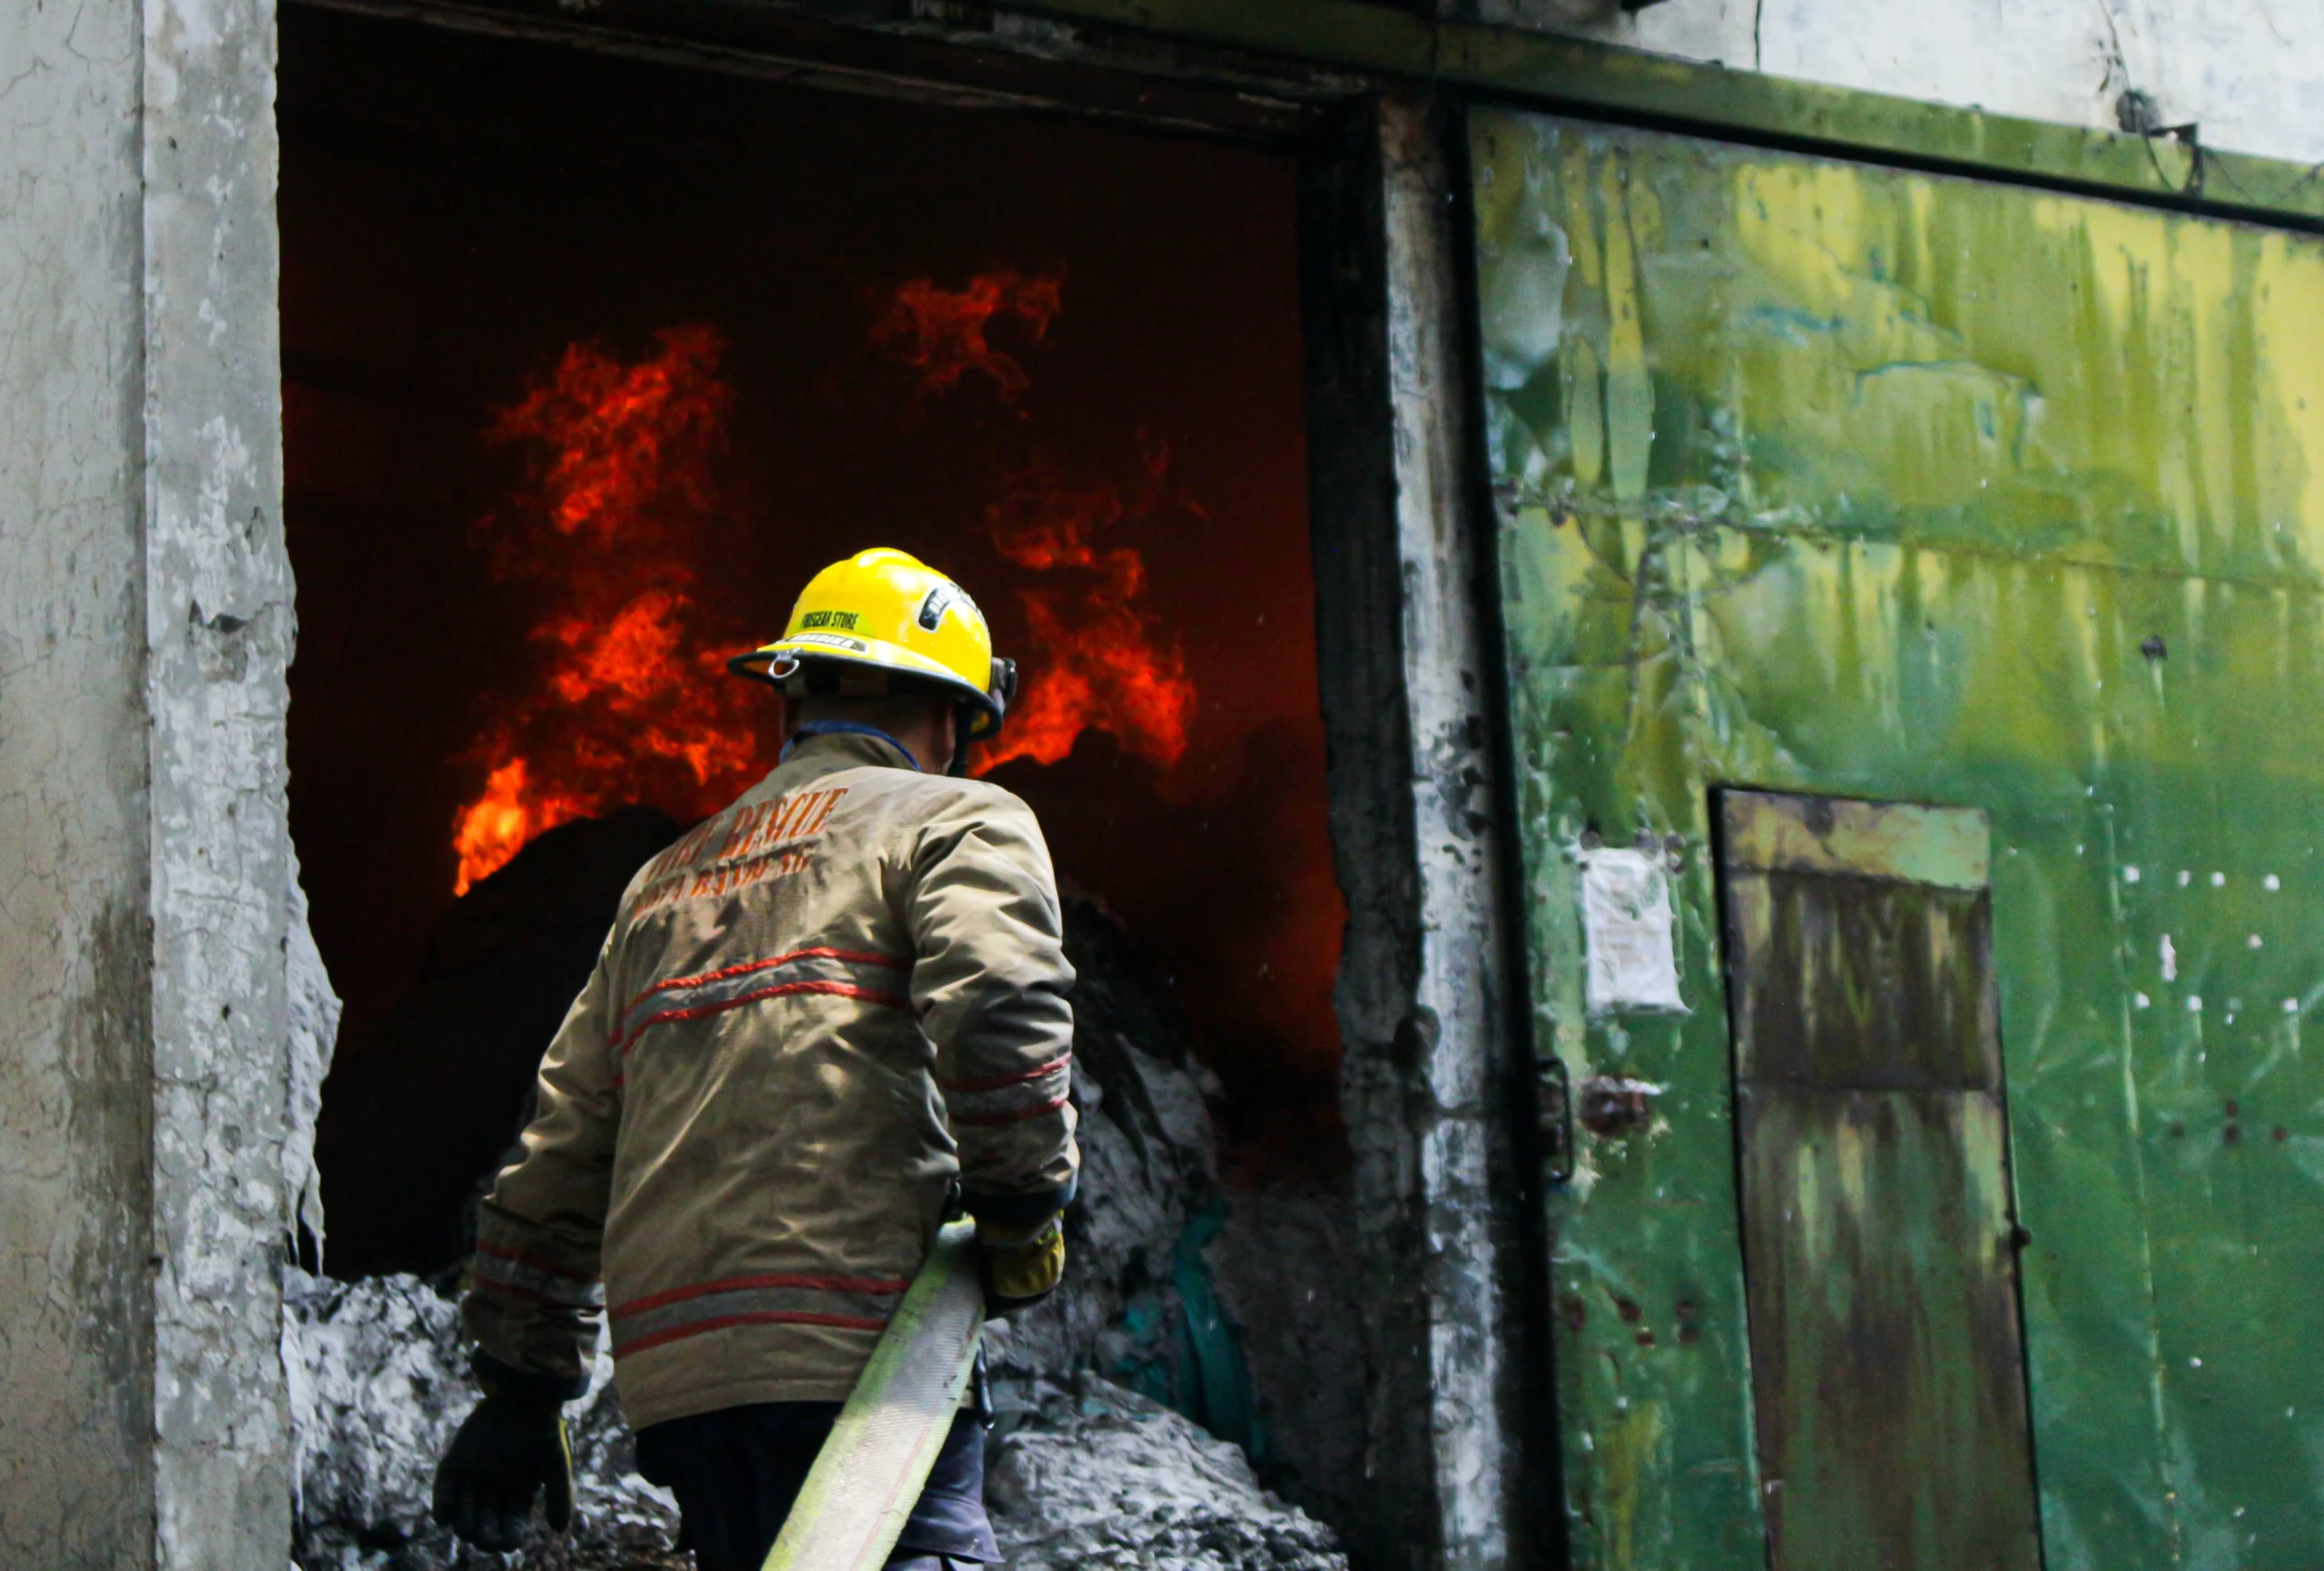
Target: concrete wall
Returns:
[[2250, 75], [75, 1322], [219, 627], [1455, 1037], [144, 626]]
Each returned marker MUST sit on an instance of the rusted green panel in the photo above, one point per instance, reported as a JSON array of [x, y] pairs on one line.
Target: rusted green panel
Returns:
[[1859, 943], [1844, 481], [1880, 1257], [1884, 1332], [1862, 982]]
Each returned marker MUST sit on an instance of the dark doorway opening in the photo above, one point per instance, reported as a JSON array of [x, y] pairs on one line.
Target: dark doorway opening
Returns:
[[590, 362]]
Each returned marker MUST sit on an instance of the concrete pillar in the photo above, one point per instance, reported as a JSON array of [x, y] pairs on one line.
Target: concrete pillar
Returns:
[[1407, 686], [1724, 31], [145, 624], [76, 1305], [219, 626], [1456, 1033]]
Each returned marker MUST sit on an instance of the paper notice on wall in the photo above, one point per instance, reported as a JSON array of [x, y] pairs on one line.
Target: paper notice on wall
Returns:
[[1629, 932]]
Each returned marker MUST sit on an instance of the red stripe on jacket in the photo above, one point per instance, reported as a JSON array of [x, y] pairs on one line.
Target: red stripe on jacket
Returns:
[[1015, 1115], [698, 1011], [1003, 1082]]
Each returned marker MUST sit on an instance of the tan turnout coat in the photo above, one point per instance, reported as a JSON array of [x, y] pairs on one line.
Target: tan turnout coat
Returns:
[[811, 1013]]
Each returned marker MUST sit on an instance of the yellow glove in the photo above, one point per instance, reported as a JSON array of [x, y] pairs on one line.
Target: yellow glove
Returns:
[[1021, 1265]]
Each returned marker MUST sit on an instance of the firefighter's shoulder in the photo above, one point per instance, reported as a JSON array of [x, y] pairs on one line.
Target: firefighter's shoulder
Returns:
[[954, 796]]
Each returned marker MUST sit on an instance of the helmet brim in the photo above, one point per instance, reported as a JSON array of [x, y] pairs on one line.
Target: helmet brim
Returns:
[[784, 664]]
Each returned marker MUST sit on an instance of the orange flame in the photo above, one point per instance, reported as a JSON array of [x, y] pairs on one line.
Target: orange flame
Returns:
[[940, 333], [496, 826], [1097, 659], [629, 441], [624, 495]]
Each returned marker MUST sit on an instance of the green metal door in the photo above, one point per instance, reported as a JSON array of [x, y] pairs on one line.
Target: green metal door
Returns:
[[1879, 1246], [1821, 478]]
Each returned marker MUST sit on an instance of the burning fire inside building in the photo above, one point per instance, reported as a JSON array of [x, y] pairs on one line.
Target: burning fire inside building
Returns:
[[574, 409], [628, 707]]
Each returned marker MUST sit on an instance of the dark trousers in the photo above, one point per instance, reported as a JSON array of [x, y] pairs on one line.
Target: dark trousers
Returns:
[[736, 1471]]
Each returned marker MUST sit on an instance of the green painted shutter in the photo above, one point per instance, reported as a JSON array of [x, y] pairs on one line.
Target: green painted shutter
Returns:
[[1822, 478]]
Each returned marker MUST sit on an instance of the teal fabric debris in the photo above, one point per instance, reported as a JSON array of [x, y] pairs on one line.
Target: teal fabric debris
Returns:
[[1200, 1371]]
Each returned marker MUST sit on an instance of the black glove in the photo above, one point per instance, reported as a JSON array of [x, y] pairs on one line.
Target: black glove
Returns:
[[509, 1449]]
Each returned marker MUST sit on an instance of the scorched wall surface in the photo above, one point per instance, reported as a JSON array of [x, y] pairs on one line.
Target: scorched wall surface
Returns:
[[1835, 479]]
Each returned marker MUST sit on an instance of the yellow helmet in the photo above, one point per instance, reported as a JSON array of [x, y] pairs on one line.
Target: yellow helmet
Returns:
[[881, 615]]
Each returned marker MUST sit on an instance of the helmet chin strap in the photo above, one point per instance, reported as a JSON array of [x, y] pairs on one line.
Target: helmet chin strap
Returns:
[[962, 742]]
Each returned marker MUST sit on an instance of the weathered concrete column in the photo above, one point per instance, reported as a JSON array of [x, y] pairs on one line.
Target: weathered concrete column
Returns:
[[1459, 1010], [1406, 687], [75, 1311], [219, 627]]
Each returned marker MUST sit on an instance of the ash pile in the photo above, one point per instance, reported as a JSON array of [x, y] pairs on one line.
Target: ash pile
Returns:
[[1094, 1461], [378, 1382], [1085, 1473]]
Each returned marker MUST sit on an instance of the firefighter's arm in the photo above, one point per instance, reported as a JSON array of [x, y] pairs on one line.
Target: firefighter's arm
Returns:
[[532, 1300], [990, 980], [533, 1297]]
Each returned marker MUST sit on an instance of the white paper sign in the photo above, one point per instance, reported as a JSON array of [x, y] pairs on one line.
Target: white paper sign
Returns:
[[1632, 961]]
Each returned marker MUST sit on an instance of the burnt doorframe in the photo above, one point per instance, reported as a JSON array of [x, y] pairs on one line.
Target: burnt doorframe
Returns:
[[1408, 680]]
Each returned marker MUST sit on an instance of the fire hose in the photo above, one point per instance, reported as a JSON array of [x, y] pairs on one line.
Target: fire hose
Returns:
[[860, 1491]]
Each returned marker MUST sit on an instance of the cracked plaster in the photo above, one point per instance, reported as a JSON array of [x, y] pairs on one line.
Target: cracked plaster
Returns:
[[219, 632], [74, 1320], [1457, 1021]]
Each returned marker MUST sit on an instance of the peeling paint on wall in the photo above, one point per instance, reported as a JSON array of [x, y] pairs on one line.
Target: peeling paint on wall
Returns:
[[218, 631], [1402, 664], [1456, 1037], [1955, 493]]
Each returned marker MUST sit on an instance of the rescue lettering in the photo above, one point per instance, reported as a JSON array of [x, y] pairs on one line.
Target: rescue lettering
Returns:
[[685, 849], [774, 824], [756, 842], [793, 816], [824, 812], [746, 821]]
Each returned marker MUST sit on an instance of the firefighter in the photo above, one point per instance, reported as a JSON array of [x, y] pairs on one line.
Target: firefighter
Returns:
[[818, 1018]]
